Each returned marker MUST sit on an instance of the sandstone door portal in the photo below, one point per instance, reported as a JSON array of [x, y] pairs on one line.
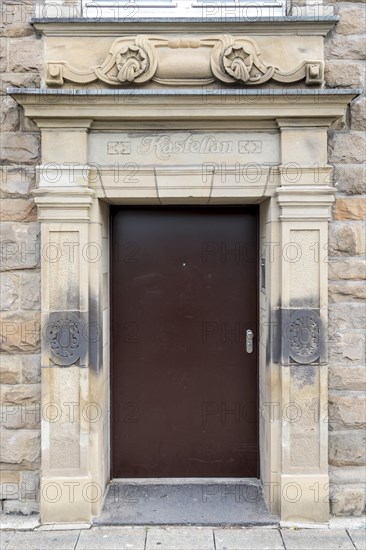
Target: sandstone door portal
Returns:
[[184, 383]]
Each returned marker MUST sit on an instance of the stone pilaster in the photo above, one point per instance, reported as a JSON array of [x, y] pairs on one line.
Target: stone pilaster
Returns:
[[66, 485], [305, 198]]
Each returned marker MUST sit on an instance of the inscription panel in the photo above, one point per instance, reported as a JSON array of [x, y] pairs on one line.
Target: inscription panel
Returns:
[[183, 148]]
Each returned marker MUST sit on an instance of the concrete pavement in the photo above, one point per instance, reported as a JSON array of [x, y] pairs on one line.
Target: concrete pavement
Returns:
[[182, 538]]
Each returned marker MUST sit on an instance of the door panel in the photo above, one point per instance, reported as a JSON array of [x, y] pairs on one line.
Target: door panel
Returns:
[[184, 389]]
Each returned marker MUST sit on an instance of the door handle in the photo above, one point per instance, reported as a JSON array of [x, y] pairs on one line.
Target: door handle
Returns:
[[249, 341]]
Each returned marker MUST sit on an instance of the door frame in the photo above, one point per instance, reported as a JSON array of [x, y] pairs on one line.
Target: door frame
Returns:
[[295, 199]]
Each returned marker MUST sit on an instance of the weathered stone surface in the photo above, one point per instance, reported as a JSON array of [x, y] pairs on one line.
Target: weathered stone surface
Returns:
[[18, 210], [358, 115], [9, 484], [9, 477], [9, 291], [19, 245], [352, 19], [347, 378], [347, 448], [14, 20], [20, 331], [348, 474], [21, 507], [344, 74], [21, 406], [349, 208], [348, 501], [347, 291], [31, 291], [19, 80], [346, 239], [20, 448], [25, 55], [343, 317], [18, 147], [349, 269], [23, 415], [9, 114], [31, 368], [10, 369], [350, 178], [20, 393], [17, 180], [347, 147], [3, 55], [345, 47], [347, 348], [347, 410]]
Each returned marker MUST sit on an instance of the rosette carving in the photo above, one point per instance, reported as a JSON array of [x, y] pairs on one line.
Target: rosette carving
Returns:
[[238, 60], [238, 63], [131, 62]]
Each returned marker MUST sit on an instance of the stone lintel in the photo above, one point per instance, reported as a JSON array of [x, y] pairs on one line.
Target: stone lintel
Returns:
[[177, 104]]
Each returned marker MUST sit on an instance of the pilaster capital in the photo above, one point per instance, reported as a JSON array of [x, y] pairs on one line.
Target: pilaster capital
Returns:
[[63, 124], [298, 122], [309, 203], [64, 204]]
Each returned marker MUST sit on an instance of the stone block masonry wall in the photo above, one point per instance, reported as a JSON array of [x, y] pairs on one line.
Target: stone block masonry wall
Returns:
[[345, 67], [20, 61]]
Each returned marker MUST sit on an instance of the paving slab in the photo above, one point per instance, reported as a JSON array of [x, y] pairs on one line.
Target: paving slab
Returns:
[[180, 538], [234, 503], [321, 539], [358, 537], [350, 522], [17, 522], [112, 538], [5, 537], [242, 539], [44, 540]]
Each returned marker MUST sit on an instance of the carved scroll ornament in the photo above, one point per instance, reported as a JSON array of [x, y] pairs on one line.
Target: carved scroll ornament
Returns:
[[232, 60]]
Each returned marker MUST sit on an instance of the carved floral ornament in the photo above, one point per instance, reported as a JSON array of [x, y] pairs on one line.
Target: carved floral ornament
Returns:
[[136, 60]]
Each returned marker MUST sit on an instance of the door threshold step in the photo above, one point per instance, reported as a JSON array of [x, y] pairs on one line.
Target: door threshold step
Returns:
[[185, 481], [218, 503]]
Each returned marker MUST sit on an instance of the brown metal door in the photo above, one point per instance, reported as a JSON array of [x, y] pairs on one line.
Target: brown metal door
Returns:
[[184, 387]]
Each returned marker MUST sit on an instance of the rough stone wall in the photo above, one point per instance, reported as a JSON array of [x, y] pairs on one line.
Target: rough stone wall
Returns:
[[345, 67], [20, 63], [20, 60]]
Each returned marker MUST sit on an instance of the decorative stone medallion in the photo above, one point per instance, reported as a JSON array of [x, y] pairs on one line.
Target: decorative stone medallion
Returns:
[[303, 337], [63, 335]]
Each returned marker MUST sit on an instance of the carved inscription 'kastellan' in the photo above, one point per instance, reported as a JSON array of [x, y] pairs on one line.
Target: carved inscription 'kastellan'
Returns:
[[184, 148]]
